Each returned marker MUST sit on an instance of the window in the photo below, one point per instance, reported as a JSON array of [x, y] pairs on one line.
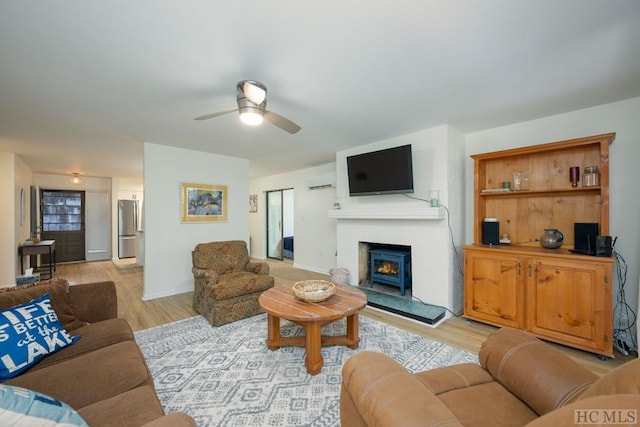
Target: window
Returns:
[[62, 210]]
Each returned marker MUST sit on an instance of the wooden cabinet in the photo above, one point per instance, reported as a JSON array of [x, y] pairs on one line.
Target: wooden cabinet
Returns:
[[494, 288], [569, 301], [553, 293]]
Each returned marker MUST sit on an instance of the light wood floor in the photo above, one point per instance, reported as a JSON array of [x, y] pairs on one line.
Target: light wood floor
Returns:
[[128, 278]]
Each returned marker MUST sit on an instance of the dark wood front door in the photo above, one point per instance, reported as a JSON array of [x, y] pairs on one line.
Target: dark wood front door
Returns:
[[62, 219]]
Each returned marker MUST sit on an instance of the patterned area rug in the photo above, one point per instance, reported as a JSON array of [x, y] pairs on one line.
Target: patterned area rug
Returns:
[[226, 376]]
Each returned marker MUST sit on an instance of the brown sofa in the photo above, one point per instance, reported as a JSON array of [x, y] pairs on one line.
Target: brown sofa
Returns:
[[519, 381], [103, 375], [227, 284]]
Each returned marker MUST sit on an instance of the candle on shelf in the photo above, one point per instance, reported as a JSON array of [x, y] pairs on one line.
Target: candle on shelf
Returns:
[[574, 175]]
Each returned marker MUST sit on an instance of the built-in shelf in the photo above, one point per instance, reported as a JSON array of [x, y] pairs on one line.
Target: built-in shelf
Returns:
[[422, 213], [581, 191]]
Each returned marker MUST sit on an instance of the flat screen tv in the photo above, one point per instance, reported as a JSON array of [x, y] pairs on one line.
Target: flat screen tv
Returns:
[[388, 171]]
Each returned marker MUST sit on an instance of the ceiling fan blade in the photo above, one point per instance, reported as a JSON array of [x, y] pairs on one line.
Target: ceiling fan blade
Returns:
[[212, 115], [282, 122]]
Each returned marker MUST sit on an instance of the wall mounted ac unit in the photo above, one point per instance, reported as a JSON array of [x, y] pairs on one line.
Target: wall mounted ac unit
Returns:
[[325, 180]]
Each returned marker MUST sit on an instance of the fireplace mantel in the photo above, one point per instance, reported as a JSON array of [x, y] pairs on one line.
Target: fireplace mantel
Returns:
[[391, 212]]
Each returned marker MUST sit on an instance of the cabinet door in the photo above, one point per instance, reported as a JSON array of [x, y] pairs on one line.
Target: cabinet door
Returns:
[[570, 302], [494, 288]]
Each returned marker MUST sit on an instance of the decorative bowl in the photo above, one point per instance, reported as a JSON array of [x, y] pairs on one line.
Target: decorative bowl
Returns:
[[314, 290]]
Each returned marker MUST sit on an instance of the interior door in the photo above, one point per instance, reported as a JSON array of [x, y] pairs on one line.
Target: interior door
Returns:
[[62, 219], [280, 236], [98, 225], [274, 224], [287, 224]]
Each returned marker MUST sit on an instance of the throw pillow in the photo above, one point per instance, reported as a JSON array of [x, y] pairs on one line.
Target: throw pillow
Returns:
[[29, 332], [20, 407], [60, 299]]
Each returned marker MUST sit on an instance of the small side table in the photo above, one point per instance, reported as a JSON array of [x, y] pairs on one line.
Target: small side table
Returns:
[[44, 247]]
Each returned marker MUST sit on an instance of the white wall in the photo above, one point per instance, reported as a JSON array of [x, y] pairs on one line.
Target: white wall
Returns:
[[62, 182], [624, 157], [14, 177], [8, 247], [288, 212], [23, 180], [456, 204], [437, 156], [168, 242], [315, 232]]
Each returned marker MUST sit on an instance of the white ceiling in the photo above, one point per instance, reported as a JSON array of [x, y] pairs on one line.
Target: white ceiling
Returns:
[[83, 83]]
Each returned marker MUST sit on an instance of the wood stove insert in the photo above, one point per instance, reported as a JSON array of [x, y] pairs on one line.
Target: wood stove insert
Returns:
[[391, 267]]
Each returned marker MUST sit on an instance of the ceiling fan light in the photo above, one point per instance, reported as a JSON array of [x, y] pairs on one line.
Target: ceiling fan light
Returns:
[[75, 178], [251, 118], [254, 93]]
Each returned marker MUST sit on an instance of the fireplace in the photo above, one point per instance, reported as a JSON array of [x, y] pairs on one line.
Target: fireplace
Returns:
[[391, 267], [432, 278]]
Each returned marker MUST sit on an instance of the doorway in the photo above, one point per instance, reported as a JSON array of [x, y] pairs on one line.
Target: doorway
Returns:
[[280, 236], [62, 219]]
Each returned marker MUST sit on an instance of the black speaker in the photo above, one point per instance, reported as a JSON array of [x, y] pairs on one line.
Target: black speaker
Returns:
[[490, 232], [604, 247], [585, 234]]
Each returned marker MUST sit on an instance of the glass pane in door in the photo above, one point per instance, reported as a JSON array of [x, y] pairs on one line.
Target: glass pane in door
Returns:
[[274, 224], [62, 219]]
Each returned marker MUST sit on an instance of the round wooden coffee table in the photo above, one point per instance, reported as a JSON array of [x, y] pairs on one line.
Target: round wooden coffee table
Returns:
[[280, 303]]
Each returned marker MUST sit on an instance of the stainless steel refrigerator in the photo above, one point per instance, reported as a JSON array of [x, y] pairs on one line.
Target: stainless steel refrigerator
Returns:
[[127, 226]]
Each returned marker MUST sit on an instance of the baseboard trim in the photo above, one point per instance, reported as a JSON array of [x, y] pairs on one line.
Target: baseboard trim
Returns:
[[309, 268], [167, 293]]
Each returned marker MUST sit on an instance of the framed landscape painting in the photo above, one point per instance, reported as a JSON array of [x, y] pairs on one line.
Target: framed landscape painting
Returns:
[[203, 203]]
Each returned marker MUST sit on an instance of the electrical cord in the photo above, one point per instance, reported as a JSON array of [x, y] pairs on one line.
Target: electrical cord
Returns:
[[439, 306], [624, 316], [453, 245]]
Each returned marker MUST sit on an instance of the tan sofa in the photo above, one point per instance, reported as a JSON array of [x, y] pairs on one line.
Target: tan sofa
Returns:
[[519, 381], [103, 375]]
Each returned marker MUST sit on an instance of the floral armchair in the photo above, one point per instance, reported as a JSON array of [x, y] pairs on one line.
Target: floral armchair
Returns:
[[227, 282]]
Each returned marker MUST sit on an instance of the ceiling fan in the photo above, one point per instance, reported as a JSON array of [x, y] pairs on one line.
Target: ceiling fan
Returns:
[[252, 104]]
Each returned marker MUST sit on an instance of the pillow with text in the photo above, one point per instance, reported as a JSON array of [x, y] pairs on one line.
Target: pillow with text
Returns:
[[29, 332]]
